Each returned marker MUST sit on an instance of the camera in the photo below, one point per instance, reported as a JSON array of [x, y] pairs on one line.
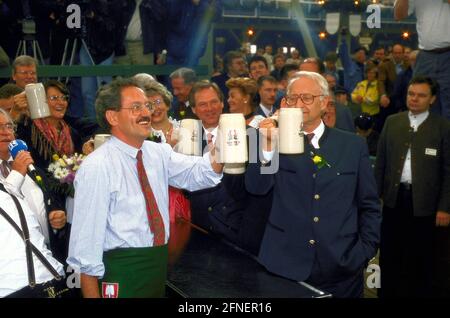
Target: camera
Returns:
[[28, 26]]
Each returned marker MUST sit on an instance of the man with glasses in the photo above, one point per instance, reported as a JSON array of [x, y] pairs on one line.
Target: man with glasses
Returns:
[[120, 226], [16, 179], [324, 223]]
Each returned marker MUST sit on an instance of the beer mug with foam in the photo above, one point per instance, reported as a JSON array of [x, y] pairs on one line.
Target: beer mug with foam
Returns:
[[37, 101], [99, 139], [231, 143], [290, 123], [189, 137]]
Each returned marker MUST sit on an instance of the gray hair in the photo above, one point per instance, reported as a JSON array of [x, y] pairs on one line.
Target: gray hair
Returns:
[[23, 60], [8, 117], [187, 74], [144, 78], [317, 78], [155, 88]]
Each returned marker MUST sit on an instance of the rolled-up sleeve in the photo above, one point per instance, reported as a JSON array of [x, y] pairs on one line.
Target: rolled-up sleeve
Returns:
[[192, 173], [92, 197]]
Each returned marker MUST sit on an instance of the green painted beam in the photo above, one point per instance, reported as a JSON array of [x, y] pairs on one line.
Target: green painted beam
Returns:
[[104, 70]]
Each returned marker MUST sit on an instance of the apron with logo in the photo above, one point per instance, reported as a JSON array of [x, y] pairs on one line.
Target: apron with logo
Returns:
[[135, 272]]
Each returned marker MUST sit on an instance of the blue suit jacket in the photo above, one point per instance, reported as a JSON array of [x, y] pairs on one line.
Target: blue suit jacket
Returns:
[[330, 215]]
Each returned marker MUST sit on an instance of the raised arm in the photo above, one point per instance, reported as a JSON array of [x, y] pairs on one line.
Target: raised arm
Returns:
[[401, 9]]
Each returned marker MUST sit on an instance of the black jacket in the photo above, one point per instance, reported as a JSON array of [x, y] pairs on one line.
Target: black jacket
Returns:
[[430, 162]]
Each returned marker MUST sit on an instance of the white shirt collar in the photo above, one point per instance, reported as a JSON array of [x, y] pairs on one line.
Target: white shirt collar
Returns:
[[318, 132], [267, 112], [417, 120], [212, 131]]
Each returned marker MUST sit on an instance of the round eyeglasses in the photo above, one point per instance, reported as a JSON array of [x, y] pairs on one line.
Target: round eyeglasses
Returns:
[[306, 99], [63, 98], [7, 126], [138, 108]]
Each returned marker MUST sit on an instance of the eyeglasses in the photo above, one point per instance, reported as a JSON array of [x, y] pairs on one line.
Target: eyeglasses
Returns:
[[306, 99], [7, 126], [31, 73], [63, 98], [156, 102], [137, 108]]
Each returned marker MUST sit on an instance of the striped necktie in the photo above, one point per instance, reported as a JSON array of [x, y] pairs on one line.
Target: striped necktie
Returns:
[[310, 137]]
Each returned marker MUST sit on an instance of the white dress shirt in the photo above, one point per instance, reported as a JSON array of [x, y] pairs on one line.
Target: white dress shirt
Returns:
[[13, 264], [110, 210], [433, 23], [415, 121], [267, 112], [25, 188]]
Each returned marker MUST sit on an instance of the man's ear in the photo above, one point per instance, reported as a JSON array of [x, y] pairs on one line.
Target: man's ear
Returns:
[[324, 103], [111, 117], [433, 99]]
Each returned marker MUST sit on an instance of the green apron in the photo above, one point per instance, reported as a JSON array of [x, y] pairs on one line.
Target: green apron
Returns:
[[135, 272]]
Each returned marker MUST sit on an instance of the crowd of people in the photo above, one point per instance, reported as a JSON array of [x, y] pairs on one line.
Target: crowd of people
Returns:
[[320, 218]]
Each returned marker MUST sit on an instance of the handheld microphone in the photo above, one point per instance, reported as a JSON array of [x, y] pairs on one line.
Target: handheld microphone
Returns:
[[17, 146]]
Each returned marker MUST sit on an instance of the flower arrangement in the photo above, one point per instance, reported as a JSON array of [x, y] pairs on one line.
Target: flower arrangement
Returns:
[[319, 161], [64, 169]]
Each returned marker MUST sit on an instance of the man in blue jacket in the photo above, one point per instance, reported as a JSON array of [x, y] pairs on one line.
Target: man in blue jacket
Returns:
[[325, 219]]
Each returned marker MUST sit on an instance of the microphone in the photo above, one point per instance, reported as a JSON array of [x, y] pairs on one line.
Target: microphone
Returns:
[[17, 146]]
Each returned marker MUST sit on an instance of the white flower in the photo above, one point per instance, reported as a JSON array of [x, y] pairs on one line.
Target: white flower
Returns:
[[52, 167], [69, 161]]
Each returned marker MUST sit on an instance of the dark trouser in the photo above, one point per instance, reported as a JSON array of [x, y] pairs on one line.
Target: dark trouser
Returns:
[[351, 286], [50, 289], [406, 250]]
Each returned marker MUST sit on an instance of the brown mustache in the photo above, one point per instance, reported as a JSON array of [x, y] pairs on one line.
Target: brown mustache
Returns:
[[146, 118]]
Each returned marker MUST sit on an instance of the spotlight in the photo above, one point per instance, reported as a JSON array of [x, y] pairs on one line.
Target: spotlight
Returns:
[[321, 2], [322, 35], [250, 32], [356, 2], [405, 35]]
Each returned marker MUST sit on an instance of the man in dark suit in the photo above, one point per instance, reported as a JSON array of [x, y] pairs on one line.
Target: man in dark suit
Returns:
[[413, 176], [227, 209], [324, 223], [267, 91]]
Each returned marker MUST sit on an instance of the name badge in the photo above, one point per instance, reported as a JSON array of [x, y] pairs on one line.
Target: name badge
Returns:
[[430, 152]]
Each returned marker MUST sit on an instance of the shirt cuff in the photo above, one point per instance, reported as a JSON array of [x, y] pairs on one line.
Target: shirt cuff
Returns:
[[267, 155]]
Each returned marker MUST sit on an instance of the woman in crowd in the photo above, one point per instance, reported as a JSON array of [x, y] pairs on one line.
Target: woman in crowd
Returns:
[[162, 131], [242, 97], [366, 94], [51, 135]]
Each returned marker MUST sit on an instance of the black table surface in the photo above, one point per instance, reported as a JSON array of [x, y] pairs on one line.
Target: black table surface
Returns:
[[203, 266]]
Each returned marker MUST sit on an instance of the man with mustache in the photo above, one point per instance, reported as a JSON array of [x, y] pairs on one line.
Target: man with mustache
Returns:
[[120, 227]]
